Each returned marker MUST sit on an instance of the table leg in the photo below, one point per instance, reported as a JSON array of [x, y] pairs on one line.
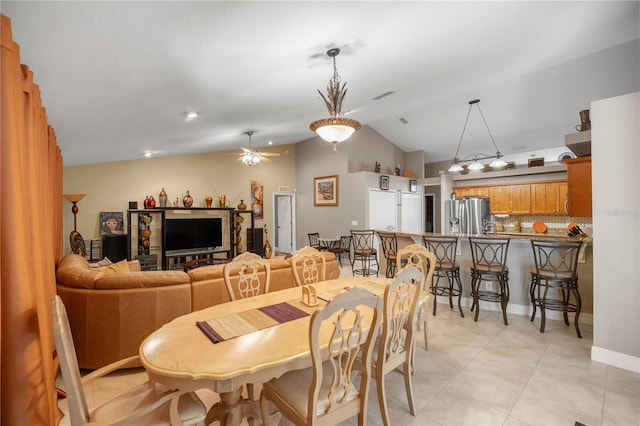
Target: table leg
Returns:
[[232, 408]]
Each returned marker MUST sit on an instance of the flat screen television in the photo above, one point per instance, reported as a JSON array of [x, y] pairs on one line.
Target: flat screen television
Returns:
[[192, 234]]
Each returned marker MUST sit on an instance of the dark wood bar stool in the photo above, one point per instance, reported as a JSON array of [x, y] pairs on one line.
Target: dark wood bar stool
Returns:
[[444, 248], [489, 256], [389, 243], [364, 252], [556, 266]]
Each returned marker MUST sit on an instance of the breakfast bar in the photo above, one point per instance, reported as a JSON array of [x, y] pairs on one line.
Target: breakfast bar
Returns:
[[520, 262]]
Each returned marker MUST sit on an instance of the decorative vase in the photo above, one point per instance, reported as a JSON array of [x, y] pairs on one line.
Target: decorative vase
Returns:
[[152, 202], [268, 251], [187, 201], [162, 198], [242, 205], [223, 201], [146, 202], [208, 201]]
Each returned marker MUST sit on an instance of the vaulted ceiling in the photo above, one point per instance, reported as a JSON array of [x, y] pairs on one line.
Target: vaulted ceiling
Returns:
[[117, 77]]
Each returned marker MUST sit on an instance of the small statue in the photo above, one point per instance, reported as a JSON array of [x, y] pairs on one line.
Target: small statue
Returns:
[[175, 203], [377, 168], [398, 170]]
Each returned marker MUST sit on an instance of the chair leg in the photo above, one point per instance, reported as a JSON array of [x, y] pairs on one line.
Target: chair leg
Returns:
[[382, 398], [504, 298], [408, 386], [576, 293], [456, 277], [532, 294]]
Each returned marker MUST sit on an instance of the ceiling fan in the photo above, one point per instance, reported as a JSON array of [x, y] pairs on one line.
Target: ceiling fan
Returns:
[[250, 156]]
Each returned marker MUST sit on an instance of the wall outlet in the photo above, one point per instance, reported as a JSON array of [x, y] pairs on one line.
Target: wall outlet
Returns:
[[354, 223]]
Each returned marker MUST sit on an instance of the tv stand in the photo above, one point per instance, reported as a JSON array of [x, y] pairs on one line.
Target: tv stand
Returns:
[[153, 243]]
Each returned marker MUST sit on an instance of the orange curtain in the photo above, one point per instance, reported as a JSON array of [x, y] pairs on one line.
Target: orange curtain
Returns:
[[30, 244]]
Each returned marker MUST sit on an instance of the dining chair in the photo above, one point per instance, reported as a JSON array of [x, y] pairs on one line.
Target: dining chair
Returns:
[[395, 346], [314, 240], [418, 256], [344, 247], [148, 403], [446, 267], [308, 265], [489, 257], [248, 283], [364, 252], [335, 387], [556, 269], [389, 243]]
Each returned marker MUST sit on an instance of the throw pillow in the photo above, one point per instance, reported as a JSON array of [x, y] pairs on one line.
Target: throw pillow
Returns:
[[121, 266], [104, 262]]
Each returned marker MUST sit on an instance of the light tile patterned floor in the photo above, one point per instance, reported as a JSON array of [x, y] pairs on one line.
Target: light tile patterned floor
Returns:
[[485, 373]]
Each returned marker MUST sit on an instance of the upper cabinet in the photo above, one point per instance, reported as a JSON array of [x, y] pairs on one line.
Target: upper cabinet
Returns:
[[549, 198], [480, 191], [579, 187], [510, 199]]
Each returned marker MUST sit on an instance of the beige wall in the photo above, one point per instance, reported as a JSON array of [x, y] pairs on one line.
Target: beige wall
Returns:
[[110, 186]]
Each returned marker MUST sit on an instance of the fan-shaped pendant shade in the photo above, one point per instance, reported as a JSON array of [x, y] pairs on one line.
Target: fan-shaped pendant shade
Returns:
[[334, 129]]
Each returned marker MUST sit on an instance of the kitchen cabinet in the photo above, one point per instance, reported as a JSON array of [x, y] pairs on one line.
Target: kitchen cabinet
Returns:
[[510, 199], [480, 191], [549, 198], [579, 187]]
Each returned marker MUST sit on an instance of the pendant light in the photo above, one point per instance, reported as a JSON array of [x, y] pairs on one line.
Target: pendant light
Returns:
[[475, 159], [334, 129]]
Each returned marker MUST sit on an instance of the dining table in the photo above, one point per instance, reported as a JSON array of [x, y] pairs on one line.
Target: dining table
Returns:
[[329, 242], [182, 354]]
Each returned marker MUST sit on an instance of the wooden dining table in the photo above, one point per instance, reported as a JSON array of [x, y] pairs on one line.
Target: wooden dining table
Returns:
[[181, 356]]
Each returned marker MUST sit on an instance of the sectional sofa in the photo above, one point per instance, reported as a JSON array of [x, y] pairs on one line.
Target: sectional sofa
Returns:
[[112, 309]]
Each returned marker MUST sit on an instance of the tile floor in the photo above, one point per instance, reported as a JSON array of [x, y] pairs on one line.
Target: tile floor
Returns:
[[485, 373]]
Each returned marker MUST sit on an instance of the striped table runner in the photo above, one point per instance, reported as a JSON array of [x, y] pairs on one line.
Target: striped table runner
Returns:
[[225, 328]]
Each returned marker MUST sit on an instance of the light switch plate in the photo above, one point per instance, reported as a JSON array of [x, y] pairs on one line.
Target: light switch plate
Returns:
[[354, 223]]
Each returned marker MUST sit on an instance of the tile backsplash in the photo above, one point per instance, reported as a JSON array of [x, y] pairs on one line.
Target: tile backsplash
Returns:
[[555, 224]]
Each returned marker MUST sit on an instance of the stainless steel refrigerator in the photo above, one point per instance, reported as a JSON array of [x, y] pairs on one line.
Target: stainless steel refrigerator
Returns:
[[467, 216]]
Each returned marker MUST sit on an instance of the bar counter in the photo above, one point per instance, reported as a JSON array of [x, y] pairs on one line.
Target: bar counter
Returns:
[[520, 262]]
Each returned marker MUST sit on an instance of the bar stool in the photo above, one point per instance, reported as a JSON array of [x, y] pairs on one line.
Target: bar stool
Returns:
[[489, 256], [556, 266], [444, 248], [365, 252], [389, 243]]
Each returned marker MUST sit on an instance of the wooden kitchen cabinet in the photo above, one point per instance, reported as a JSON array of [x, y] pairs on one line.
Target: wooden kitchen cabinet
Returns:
[[510, 199], [579, 187], [549, 198], [480, 191]]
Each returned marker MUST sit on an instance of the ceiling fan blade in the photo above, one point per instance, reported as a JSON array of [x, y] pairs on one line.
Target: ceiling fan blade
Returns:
[[270, 154], [265, 159]]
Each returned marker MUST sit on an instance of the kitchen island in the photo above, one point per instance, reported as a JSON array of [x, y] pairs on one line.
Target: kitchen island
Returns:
[[520, 262]]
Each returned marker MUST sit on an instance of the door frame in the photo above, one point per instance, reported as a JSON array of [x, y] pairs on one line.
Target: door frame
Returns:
[[275, 212]]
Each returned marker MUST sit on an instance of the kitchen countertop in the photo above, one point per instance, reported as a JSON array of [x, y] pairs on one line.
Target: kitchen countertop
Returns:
[[513, 235]]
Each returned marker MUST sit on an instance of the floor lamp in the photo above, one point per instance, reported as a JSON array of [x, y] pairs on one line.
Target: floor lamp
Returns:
[[75, 239]]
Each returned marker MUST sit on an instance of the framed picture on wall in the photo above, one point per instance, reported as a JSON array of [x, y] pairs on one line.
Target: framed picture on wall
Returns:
[[325, 191], [413, 185], [384, 182]]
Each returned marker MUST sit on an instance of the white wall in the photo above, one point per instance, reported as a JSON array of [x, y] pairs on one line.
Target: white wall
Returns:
[[616, 231]]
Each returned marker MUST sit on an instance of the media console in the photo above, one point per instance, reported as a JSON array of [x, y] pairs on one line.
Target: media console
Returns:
[[147, 234]]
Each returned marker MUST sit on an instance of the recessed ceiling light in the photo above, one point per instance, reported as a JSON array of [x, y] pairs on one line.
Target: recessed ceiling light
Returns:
[[148, 154], [191, 115], [270, 143]]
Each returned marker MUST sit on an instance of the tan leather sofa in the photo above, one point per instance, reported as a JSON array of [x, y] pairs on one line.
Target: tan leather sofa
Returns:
[[111, 313]]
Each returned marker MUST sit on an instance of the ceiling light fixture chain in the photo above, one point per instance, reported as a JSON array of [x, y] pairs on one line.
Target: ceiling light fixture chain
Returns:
[[498, 162], [334, 129]]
